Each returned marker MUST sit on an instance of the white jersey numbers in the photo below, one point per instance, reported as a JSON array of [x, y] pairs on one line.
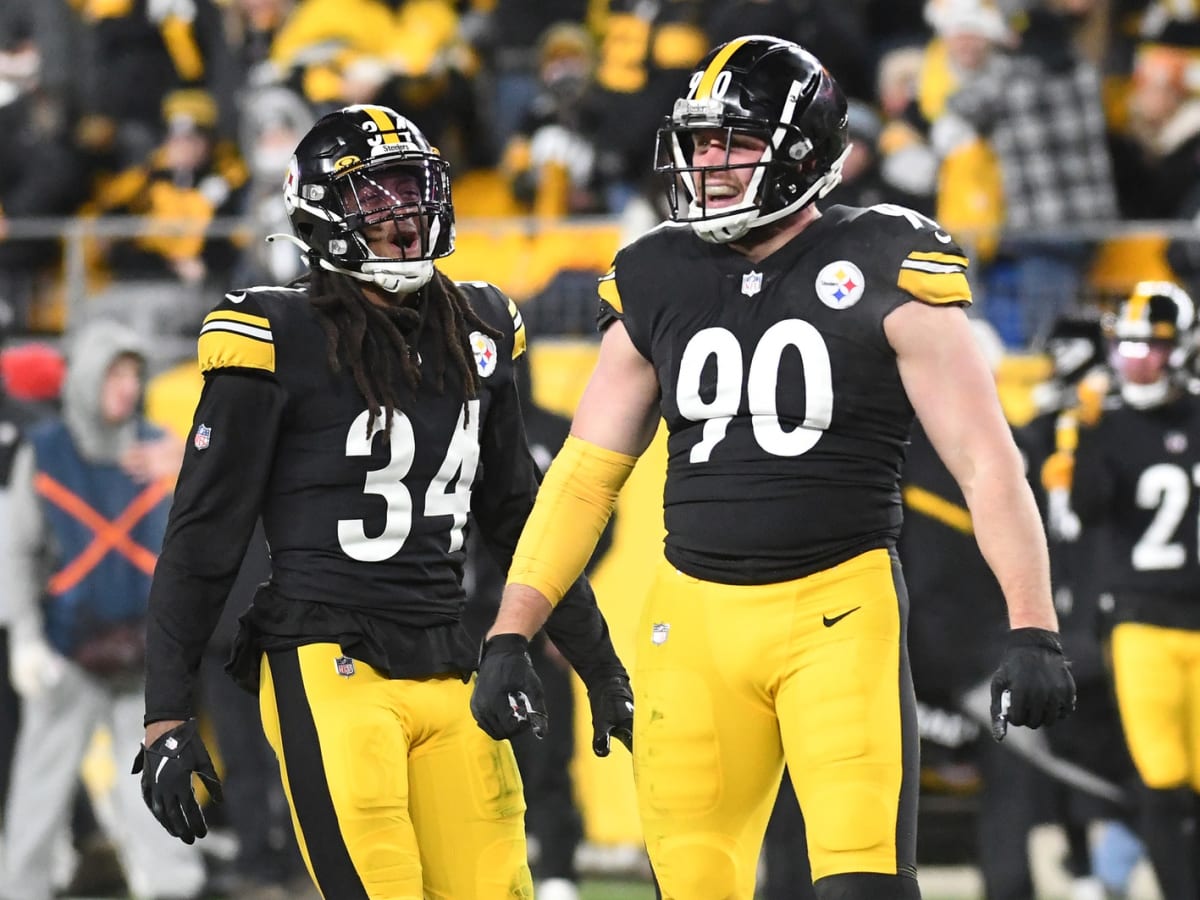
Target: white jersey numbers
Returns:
[[760, 386], [448, 494], [1167, 489]]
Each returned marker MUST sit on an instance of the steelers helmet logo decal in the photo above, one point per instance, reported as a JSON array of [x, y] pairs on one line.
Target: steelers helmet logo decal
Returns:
[[840, 284], [484, 349]]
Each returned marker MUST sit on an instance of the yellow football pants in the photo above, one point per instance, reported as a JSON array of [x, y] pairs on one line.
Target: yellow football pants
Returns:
[[1157, 674], [396, 794], [730, 680]]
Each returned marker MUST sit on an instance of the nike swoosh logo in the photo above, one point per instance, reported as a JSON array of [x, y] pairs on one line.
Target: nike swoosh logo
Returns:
[[943, 237], [830, 621], [236, 298]]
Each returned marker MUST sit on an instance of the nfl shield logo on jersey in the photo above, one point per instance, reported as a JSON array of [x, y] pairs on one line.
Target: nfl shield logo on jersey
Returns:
[[203, 433], [659, 632], [344, 666], [751, 283], [484, 349]]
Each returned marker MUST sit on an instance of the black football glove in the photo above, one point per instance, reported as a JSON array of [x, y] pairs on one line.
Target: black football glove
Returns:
[[612, 713], [167, 766], [508, 696], [1033, 685]]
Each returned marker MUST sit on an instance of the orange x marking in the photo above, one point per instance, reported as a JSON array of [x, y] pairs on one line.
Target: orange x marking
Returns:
[[112, 535]]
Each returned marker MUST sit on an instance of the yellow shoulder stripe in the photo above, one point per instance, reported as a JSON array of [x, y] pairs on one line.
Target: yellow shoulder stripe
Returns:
[[519, 339], [938, 508], [235, 339], [935, 287], [232, 315], [607, 288]]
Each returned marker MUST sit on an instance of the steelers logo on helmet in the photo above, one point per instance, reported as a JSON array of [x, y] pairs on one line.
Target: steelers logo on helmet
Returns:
[[484, 349], [761, 133], [840, 284]]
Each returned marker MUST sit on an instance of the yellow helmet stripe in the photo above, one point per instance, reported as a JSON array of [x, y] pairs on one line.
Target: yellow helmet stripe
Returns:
[[704, 88], [1135, 309], [386, 126]]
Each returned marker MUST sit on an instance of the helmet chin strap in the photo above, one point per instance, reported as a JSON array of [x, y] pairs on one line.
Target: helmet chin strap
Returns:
[[393, 276], [1145, 396]]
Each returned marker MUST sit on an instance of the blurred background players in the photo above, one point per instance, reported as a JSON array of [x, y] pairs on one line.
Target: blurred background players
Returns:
[[1136, 482]]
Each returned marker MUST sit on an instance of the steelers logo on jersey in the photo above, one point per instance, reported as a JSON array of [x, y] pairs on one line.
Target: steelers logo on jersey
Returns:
[[840, 284], [484, 349]]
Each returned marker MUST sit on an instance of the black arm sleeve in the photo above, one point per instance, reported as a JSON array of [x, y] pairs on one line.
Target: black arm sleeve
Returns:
[[501, 504], [217, 503]]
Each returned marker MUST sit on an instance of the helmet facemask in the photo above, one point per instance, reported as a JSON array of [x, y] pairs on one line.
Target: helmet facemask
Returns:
[[784, 177], [369, 198], [395, 213]]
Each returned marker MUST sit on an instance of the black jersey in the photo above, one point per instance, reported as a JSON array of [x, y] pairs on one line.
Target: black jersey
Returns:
[[365, 530], [786, 414], [1137, 481]]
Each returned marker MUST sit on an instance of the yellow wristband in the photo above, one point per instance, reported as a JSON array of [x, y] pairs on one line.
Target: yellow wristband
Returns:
[[573, 506]]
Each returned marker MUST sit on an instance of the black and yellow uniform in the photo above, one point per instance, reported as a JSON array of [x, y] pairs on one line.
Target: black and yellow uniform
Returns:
[[776, 625], [364, 664], [1136, 482]]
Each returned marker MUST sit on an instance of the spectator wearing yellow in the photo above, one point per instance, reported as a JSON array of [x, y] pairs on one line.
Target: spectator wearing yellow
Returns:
[[970, 192], [406, 55], [190, 178]]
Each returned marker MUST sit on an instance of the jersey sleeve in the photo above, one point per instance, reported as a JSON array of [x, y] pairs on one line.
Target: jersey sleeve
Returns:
[[217, 501], [930, 266], [237, 334]]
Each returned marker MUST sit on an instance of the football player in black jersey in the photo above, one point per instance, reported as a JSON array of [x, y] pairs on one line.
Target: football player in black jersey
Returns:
[[364, 414], [787, 350], [1136, 485]]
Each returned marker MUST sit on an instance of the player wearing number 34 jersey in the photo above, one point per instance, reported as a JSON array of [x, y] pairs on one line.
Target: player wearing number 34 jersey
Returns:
[[364, 415], [786, 349]]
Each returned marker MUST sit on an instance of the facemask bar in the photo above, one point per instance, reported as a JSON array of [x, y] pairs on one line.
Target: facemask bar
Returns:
[[370, 195]]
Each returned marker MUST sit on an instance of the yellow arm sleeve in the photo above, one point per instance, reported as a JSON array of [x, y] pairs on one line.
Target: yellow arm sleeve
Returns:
[[573, 505]]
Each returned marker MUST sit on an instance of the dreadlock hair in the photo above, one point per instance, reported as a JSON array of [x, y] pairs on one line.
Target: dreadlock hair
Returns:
[[372, 340]]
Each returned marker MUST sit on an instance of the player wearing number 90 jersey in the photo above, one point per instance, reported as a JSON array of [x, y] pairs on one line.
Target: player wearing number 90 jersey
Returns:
[[780, 390], [363, 415], [788, 349]]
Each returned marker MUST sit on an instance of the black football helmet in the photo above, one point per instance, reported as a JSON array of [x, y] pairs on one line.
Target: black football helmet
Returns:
[[1151, 339], [1076, 344], [774, 90], [359, 167]]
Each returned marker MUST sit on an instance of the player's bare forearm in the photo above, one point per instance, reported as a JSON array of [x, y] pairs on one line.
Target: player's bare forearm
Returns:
[[1013, 543], [523, 610]]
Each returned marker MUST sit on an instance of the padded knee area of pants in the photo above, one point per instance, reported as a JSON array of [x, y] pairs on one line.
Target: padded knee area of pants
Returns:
[[848, 817], [695, 871], [867, 886], [500, 870]]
